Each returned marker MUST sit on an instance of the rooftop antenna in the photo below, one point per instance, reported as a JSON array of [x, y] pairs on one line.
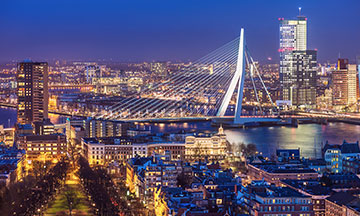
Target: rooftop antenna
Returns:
[[299, 11]]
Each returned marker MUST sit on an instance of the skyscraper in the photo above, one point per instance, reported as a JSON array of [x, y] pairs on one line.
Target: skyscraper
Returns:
[[297, 64], [301, 67], [32, 91], [293, 34], [344, 83]]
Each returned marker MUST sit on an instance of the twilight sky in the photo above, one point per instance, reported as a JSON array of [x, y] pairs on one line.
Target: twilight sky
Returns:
[[138, 30]]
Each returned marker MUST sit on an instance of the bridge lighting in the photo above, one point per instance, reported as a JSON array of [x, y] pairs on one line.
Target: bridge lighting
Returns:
[[203, 88]]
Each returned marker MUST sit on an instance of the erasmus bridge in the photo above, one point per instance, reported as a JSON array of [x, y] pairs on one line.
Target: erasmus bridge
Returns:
[[204, 89]]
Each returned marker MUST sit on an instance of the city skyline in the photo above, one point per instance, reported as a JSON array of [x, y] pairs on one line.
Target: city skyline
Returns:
[[143, 31]]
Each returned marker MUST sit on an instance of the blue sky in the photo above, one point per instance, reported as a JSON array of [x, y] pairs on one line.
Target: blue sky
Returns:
[[138, 30]]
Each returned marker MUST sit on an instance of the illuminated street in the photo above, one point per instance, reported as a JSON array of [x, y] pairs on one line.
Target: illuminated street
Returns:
[[58, 206], [179, 108]]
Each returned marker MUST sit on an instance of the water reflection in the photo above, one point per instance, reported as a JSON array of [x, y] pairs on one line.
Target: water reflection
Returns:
[[307, 137], [177, 127]]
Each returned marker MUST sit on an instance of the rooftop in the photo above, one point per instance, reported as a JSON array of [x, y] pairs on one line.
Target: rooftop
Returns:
[[279, 192], [341, 198], [284, 168], [345, 147], [43, 137], [312, 187]]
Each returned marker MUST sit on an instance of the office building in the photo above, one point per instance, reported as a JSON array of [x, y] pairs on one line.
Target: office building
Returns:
[[32, 91], [299, 77], [344, 83], [98, 128], [293, 34], [102, 151], [43, 147], [297, 64]]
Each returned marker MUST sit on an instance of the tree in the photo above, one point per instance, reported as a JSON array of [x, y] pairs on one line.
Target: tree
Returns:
[[250, 150], [229, 147], [72, 200], [40, 168], [26, 197], [73, 152], [242, 149]]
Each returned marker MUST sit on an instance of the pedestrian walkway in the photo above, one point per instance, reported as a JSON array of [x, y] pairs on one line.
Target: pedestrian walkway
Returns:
[[59, 208]]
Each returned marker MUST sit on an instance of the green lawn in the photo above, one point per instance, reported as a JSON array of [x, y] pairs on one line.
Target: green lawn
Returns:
[[58, 206]]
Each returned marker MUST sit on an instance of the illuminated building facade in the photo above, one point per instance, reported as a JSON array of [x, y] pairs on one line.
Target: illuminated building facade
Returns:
[[101, 151], [299, 69], [334, 155], [145, 174], [177, 150], [32, 91], [12, 165], [293, 34], [297, 64], [98, 128], [160, 204], [206, 147], [44, 127], [53, 102], [43, 147], [344, 83]]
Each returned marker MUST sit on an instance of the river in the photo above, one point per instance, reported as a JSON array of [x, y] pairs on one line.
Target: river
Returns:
[[307, 137]]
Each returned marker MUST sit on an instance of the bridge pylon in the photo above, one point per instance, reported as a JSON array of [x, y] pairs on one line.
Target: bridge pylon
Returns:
[[238, 78]]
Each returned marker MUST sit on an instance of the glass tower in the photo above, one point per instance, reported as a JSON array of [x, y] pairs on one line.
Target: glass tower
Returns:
[[297, 64]]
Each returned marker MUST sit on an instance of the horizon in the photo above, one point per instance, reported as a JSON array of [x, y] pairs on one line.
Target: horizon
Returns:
[[161, 31]]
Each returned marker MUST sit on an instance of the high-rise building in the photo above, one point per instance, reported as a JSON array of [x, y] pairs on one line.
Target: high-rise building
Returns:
[[344, 83], [297, 64], [300, 82], [293, 34], [32, 91]]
